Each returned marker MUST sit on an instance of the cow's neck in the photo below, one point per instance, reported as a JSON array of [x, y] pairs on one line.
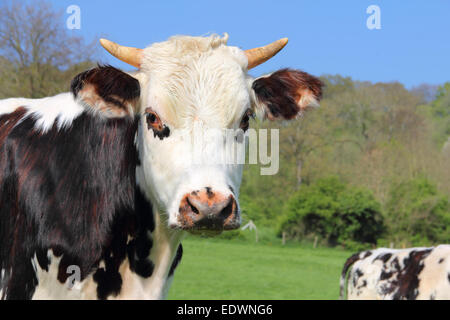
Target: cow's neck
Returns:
[[147, 253], [164, 256]]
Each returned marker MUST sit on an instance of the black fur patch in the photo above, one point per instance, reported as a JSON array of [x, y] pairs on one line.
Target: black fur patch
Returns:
[[408, 278], [135, 225], [282, 90], [176, 260], [395, 265], [108, 278], [109, 283], [363, 285], [356, 275], [386, 274], [42, 259], [139, 248], [384, 257], [164, 133]]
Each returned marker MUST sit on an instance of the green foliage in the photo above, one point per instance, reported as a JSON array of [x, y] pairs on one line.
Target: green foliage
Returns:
[[418, 213], [441, 110], [336, 84], [260, 195], [441, 105], [333, 211]]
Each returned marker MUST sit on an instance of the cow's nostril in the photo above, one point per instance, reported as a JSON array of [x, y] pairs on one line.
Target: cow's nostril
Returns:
[[193, 208], [228, 210]]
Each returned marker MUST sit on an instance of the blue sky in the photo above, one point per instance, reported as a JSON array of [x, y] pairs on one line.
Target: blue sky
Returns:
[[325, 37]]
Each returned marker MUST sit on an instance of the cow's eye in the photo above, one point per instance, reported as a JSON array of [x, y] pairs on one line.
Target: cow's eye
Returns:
[[154, 123], [153, 120], [245, 120]]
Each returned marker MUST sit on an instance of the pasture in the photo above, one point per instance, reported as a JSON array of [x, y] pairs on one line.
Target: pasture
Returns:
[[232, 269]]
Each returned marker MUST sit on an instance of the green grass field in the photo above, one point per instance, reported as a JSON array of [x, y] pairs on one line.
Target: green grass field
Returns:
[[231, 269]]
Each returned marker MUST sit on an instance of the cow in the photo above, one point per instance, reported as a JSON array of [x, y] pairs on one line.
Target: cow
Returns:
[[398, 274], [97, 186]]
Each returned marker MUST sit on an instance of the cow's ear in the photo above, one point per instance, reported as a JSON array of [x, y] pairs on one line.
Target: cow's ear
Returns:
[[285, 93], [107, 91]]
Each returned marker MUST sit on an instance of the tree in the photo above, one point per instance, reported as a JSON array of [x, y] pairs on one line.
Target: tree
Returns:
[[334, 211], [418, 213], [38, 55], [427, 92], [441, 111]]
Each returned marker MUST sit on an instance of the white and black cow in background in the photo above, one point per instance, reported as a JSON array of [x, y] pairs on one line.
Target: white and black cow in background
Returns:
[[100, 177], [398, 274]]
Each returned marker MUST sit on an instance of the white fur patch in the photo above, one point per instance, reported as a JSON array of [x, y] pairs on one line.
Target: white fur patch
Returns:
[[61, 108], [48, 286], [2, 275], [307, 100]]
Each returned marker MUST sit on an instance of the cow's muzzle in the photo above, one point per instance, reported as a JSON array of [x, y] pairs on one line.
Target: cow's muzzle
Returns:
[[208, 210]]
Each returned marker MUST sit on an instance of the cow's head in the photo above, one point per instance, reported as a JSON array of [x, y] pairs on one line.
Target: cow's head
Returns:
[[190, 85]]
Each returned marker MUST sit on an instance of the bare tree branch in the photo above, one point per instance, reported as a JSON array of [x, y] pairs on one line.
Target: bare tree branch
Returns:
[[36, 47]]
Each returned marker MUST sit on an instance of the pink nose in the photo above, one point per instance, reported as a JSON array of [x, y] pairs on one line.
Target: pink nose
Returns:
[[208, 210]]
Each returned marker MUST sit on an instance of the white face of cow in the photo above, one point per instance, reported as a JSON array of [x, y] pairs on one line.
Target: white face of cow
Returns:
[[194, 90]]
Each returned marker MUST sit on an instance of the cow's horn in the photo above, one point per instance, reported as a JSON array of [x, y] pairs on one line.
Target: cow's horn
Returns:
[[259, 55], [129, 55]]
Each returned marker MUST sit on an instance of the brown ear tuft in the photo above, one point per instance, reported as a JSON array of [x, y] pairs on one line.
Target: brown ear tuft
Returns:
[[286, 93], [107, 90]]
